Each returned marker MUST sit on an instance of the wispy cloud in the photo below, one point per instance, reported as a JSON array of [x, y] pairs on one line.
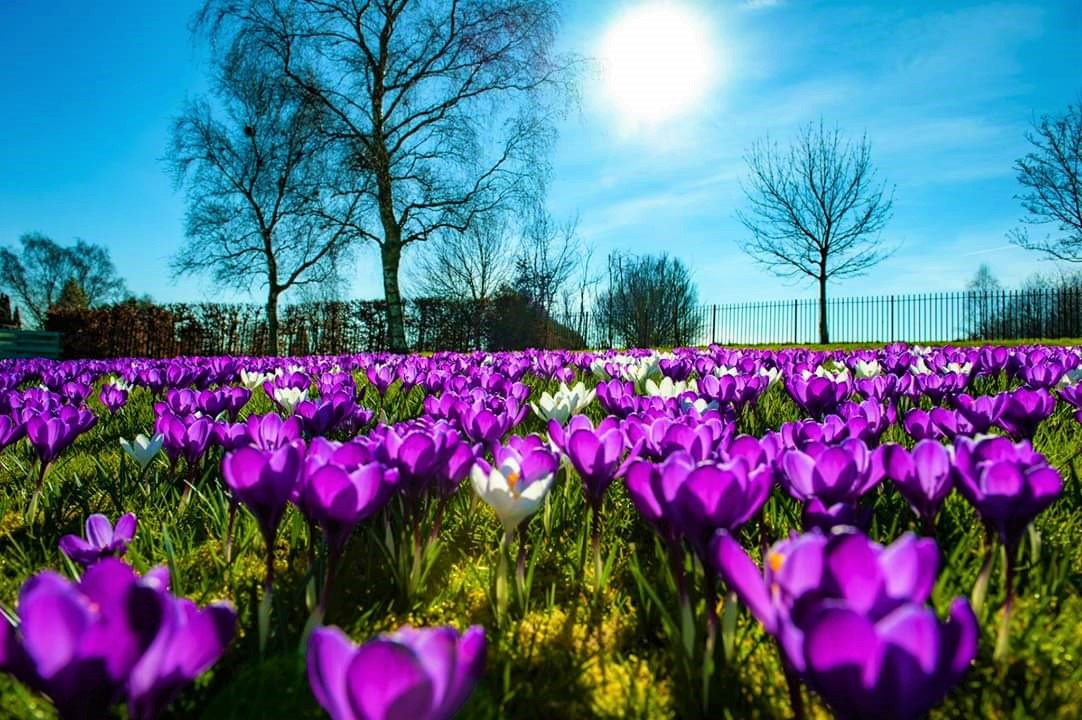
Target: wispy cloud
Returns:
[[759, 4], [987, 251]]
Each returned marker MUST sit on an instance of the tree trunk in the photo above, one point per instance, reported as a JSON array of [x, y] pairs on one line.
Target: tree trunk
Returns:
[[824, 336], [391, 255], [272, 320]]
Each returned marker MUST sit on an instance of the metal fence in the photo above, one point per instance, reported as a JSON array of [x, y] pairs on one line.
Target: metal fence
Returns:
[[357, 325], [930, 317]]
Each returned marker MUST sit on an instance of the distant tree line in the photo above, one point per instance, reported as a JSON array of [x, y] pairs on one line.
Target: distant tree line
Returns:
[[141, 329], [1043, 306], [41, 275]]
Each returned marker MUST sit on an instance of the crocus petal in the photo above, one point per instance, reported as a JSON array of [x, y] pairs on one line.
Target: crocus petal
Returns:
[[385, 681], [744, 578], [99, 531], [329, 654]]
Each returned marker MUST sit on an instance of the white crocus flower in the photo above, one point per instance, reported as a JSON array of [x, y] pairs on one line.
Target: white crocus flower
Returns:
[[698, 404], [961, 368], [502, 489], [868, 369], [839, 375], [772, 375], [119, 384], [669, 389], [253, 379], [722, 371], [644, 370], [920, 367], [564, 403], [142, 449], [288, 397], [597, 367]]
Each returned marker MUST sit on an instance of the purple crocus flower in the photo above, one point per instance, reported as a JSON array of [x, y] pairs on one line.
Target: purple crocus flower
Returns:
[[342, 486], [484, 425], [939, 422], [11, 430], [829, 481], [77, 642], [617, 397], [102, 539], [50, 435], [187, 436], [800, 434], [937, 386], [595, 453], [270, 431], [660, 435], [720, 496], [179, 402], [896, 668], [1009, 484], [235, 400], [412, 674], [1072, 394], [417, 450], [320, 418], [263, 481], [922, 475], [851, 619], [211, 402], [188, 641], [381, 377], [978, 412], [653, 489], [76, 392], [1042, 375], [817, 395], [1020, 412], [866, 420], [112, 397], [880, 387]]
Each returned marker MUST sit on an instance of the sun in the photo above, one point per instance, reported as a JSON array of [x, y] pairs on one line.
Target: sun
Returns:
[[658, 62]]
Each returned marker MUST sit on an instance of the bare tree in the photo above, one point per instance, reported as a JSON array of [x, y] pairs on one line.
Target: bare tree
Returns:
[[984, 294], [447, 104], [649, 300], [252, 175], [549, 256], [1052, 177], [37, 274], [815, 209], [467, 266]]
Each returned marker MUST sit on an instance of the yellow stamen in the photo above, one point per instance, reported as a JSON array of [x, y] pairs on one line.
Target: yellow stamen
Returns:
[[774, 561], [512, 479]]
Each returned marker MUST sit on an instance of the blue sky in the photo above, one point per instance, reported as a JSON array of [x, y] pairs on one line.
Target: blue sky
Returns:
[[944, 90]]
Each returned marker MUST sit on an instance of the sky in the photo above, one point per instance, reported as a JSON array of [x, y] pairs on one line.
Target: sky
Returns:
[[944, 91]]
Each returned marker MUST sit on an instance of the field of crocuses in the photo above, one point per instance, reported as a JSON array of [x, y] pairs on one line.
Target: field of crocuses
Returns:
[[701, 533]]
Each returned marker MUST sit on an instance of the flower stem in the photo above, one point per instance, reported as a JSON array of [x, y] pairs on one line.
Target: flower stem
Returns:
[[1003, 641], [796, 697], [228, 548], [980, 588], [333, 555], [595, 542]]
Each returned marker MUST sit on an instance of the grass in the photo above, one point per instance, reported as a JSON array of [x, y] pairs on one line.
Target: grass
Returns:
[[570, 655]]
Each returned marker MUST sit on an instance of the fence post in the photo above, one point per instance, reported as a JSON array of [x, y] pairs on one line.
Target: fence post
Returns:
[[892, 318], [714, 324], [796, 322]]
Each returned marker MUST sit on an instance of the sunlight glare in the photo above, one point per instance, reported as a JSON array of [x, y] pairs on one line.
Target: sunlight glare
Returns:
[[657, 62]]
